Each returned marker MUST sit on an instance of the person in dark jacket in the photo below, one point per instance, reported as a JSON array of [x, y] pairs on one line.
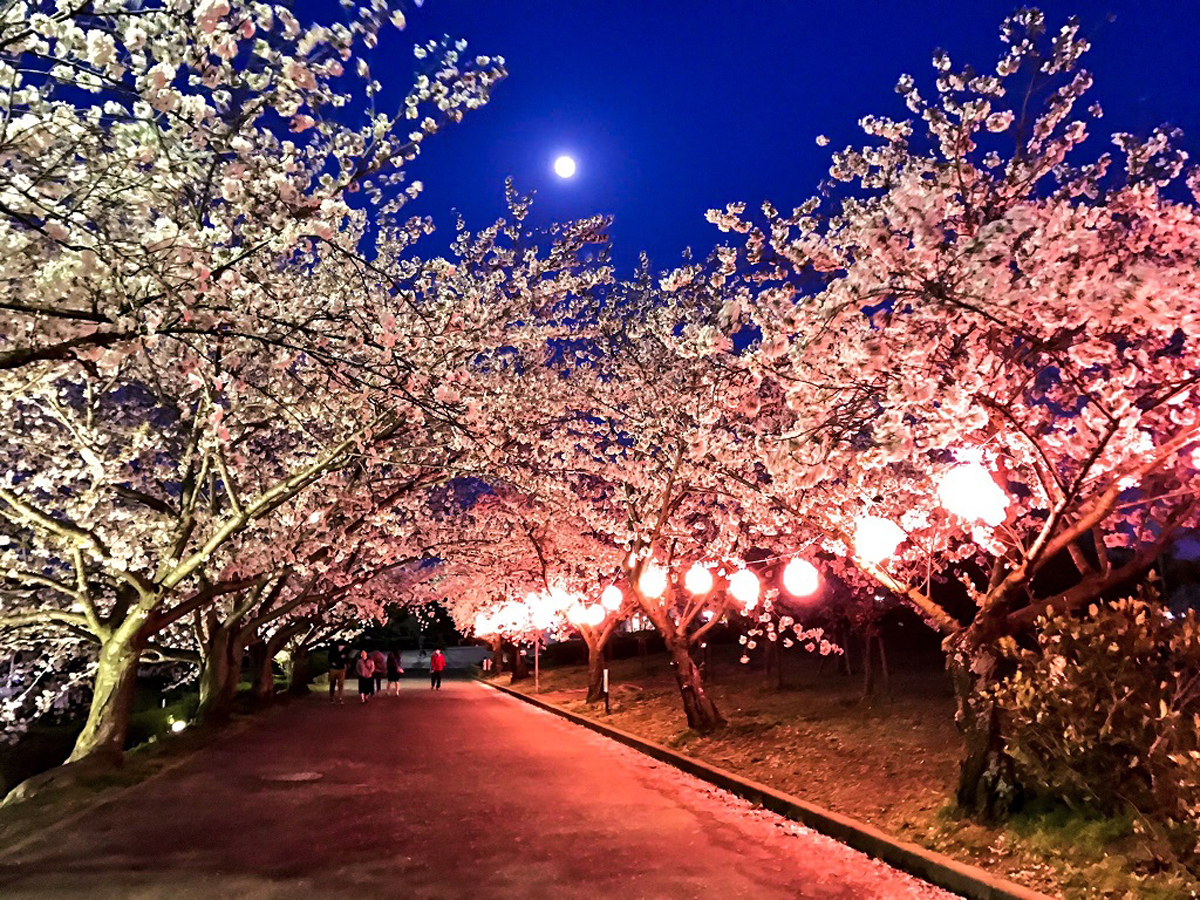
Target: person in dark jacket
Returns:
[[337, 672], [394, 671]]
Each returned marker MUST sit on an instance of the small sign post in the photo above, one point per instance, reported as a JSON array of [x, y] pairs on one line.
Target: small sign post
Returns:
[[607, 709]]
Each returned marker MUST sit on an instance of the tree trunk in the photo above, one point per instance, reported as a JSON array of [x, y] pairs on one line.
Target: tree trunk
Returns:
[[868, 668], [220, 674], [302, 673], [702, 714], [519, 667], [263, 653], [774, 665], [595, 692], [262, 683], [230, 688], [113, 686], [987, 783], [497, 658], [214, 672], [520, 664], [883, 664]]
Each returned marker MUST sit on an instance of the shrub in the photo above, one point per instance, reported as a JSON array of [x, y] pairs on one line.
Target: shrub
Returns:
[[1105, 712]]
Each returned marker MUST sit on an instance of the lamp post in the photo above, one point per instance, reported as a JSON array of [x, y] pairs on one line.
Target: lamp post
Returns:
[[542, 610], [537, 675]]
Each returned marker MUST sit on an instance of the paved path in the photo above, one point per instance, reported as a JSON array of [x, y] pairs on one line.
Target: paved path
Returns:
[[460, 794]]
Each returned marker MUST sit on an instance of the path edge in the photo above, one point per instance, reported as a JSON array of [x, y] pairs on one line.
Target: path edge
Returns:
[[936, 868]]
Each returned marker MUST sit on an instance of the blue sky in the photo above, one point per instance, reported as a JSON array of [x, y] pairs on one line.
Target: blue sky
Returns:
[[673, 108]]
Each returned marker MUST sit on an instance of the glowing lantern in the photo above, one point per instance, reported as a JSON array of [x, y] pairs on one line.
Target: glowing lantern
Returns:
[[178, 725], [484, 624], [969, 491], [509, 617], [744, 587], [876, 539], [698, 580], [575, 614], [653, 581], [611, 598], [800, 578], [542, 610], [593, 615]]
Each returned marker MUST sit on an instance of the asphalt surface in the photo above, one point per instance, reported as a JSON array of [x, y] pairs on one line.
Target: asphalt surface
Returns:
[[462, 793]]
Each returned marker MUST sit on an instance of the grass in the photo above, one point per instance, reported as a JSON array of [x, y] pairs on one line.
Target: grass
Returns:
[[891, 762], [154, 722]]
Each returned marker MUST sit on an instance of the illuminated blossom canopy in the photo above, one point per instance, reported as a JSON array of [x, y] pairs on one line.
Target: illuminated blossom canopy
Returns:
[[989, 291], [190, 363], [255, 403]]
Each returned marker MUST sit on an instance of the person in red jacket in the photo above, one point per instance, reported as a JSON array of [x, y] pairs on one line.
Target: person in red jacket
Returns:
[[437, 665]]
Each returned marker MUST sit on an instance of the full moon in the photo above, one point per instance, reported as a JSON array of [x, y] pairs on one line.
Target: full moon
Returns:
[[564, 167]]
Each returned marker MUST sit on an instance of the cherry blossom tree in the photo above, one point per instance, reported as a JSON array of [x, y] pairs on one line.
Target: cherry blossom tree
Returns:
[[509, 568], [569, 572], [643, 436], [988, 348], [198, 335], [596, 619]]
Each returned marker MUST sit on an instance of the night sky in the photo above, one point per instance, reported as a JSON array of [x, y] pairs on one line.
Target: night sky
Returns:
[[673, 108]]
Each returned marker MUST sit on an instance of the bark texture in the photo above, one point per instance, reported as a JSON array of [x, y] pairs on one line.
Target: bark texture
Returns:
[[595, 691], [220, 674], [107, 724], [702, 713], [987, 785]]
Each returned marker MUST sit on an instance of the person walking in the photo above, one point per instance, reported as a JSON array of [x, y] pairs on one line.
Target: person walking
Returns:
[[366, 676], [394, 671], [437, 665], [380, 663], [337, 672]]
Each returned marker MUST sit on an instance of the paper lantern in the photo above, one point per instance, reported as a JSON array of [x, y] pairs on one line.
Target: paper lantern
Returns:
[[744, 588], [698, 580], [876, 539], [653, 581], [611, 598], [969, 491], [800, 578]]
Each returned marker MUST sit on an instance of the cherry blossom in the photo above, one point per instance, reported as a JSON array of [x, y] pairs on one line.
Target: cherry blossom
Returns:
[[990, 291]]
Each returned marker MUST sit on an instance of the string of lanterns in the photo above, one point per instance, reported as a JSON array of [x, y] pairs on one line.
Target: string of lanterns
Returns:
[[966, 490]]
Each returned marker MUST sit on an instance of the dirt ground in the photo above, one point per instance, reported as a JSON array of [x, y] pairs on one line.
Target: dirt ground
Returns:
[[891, 761]]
